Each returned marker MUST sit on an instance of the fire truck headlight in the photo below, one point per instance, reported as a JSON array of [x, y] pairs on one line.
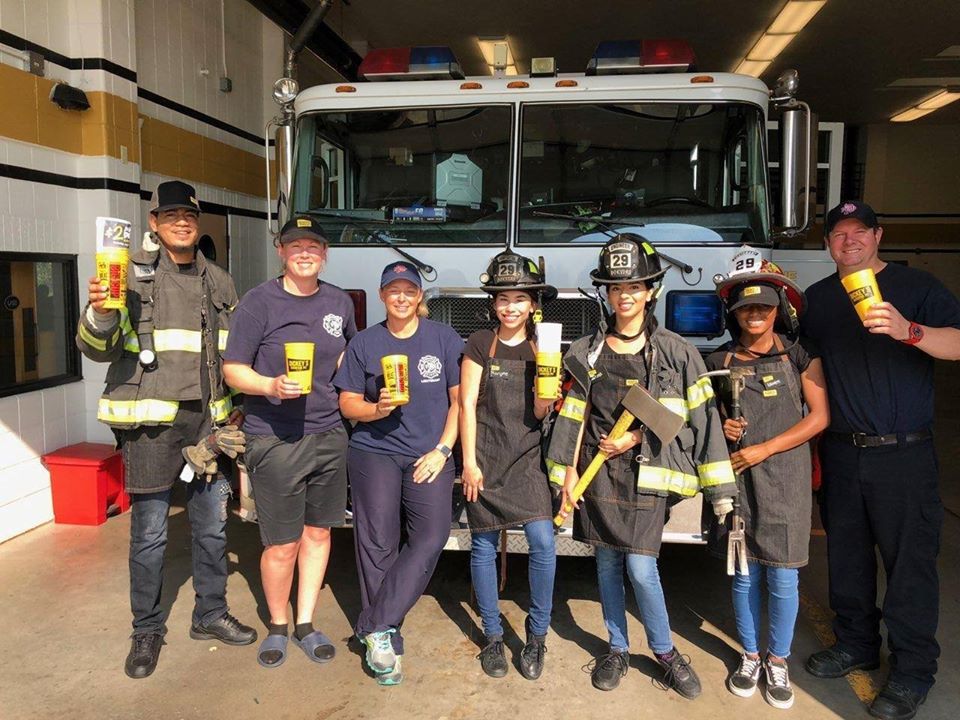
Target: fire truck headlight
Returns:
[[285, 90]]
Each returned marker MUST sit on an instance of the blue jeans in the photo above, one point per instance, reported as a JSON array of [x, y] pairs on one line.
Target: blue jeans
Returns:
[[784, 602], [542, 566], [207, 509], [645, 578]]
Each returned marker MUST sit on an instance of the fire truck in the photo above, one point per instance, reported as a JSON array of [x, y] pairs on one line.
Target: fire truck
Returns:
[[416, 160]]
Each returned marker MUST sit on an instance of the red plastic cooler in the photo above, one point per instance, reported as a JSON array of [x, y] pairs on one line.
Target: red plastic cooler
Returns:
[[86, 479]]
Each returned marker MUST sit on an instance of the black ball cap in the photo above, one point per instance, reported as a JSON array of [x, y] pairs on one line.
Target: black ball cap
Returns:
[[172, 195], [300, 228]]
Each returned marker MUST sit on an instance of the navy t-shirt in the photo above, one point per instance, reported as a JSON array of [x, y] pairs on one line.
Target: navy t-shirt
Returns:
[[877, 385], [266, 318], [433, 356]]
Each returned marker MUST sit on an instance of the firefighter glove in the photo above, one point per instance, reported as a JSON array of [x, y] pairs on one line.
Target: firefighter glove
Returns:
[[230, 440]]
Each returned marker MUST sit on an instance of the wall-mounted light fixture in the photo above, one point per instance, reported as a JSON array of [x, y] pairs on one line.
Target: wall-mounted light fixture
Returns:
[[497, 55], [791, 20], [68, 97], [934, 102]]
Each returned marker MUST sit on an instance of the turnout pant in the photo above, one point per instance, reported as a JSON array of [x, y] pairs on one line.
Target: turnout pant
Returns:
[[884, 498], [389, 507]]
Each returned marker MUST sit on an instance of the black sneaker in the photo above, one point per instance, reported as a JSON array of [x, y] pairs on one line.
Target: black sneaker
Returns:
[[227, 629], [493, 660], [743, 681], [608, 669], [531, 657], [896, 702], [143, 655], [679, 675], [834, 662], [777, 691]]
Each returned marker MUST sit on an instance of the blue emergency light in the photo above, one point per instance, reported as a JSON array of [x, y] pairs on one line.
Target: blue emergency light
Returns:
[[696, 313], [625, 57], [434, 62]]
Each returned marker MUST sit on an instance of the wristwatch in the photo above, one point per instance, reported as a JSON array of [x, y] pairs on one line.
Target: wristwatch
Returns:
[[914, 334], [443, 450]]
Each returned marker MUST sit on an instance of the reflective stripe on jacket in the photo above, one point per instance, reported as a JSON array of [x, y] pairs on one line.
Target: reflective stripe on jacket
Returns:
[[133, 397], [695, 461]]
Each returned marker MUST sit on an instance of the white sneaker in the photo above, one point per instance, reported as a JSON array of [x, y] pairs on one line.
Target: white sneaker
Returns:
[[743, 681], [395, 676], [380, 655], [777, 691]]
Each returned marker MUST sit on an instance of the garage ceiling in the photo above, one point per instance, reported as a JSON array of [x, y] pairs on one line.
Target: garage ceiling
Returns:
[[847, 56]]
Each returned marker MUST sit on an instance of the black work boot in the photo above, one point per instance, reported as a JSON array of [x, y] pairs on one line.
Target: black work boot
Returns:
[[531, 657], [834, 662], [227, 629], [608, 669], [492, 658], [143, 655], [896, 702], [679, 675]]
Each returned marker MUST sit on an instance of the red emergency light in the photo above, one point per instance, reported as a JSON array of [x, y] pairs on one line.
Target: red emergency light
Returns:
[[411, 63], [626, 57]]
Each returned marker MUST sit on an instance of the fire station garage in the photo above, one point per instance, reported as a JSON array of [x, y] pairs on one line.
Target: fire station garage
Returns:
[[427, 138]]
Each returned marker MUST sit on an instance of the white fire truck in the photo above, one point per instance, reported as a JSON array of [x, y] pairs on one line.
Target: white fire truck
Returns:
[[415, 159]]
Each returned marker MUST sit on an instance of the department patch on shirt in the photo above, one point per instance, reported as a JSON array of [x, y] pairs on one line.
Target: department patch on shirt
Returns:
[[333, 324], [430, 368]]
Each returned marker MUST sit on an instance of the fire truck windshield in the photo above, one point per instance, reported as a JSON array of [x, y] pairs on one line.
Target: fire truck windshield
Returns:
[[686, 172], [435, 175]]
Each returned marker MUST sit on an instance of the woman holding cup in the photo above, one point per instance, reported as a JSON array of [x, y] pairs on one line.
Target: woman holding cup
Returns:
[[287, 337], [401, 473], [504, 477]]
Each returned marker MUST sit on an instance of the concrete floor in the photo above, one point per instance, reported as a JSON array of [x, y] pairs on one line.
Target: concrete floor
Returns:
[[64, 626]]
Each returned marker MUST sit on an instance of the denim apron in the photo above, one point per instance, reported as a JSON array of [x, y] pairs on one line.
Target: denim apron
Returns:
[[775, 496], [515, 488], [614, 514]]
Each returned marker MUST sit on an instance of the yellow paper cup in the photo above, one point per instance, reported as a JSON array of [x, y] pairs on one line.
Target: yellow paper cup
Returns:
[[112, 270], [396, 377], [299, 364], [548, 375], [862, 290]]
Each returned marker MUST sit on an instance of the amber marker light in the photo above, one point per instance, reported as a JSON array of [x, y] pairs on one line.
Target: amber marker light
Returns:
[[346, 88], [565, 83], [471, 86], [702, 79]]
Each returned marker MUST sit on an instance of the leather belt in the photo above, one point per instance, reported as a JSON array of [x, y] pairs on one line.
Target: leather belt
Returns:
[[862, 440]]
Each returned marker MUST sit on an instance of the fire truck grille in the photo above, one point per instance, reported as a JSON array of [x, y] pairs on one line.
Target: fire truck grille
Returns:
[[466, 315]]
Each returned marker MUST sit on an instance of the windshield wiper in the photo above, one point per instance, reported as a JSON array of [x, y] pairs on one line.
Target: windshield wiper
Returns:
[[379, 236], [604, 224]]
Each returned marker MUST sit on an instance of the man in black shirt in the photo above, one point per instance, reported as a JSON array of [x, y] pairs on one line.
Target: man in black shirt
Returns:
[[879, 465]]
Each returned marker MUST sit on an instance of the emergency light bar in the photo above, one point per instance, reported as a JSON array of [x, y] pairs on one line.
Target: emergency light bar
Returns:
[[695, 313], [413, 63], [626, 57]]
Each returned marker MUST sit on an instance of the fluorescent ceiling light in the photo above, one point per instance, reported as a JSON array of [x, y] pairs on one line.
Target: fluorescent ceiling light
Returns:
[[489, 46], [939, 100], [755, 68], [795, 15], [769, 46], [791, 19], [908, 115]]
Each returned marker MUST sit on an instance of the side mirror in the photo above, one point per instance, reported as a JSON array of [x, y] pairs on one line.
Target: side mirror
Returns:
[[798, 167], [284, 156]]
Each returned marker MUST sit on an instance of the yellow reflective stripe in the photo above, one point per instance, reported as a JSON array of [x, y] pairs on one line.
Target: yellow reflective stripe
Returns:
[[222, 340], [716, 473], [220, 409], [676, 405], [131, 343], [135, 412], [573, 408], [699, 393], [92, 340], [177, 340], [556, 472], [665, 480]]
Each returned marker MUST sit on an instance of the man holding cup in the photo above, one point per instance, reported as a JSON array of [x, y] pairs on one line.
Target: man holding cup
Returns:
[[165, 392], [879, 463]]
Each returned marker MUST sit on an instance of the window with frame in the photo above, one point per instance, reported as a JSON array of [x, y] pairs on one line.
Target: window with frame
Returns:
[[38, 318]]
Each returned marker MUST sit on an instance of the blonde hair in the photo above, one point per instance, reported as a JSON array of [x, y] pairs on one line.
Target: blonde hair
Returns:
[[422, 309]]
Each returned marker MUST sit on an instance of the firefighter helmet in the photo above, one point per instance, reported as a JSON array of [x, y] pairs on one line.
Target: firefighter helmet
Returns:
[[509, 271], [748, 267], [627, 257]]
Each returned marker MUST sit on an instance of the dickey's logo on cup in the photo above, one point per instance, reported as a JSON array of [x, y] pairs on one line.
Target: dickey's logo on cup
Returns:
[[113, 243], [396, 377], [862, 290], [298, 357]]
